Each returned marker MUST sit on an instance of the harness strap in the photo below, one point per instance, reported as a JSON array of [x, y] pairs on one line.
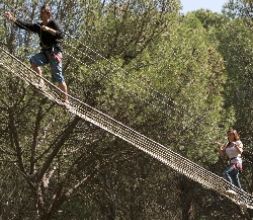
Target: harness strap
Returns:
[[53, 54], [232, 158], [237, 165]]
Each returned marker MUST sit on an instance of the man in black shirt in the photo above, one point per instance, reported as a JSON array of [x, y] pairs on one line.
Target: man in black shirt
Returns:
[[51, 52]]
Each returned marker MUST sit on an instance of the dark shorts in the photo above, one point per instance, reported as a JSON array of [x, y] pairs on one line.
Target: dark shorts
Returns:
[[55, 61]]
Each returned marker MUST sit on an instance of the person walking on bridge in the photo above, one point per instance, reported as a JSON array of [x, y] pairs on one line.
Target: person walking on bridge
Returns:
[[51, 52], [233, 150]]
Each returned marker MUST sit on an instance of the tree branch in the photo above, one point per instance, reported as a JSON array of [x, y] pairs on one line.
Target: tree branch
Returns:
[[15, 139], [57, 144]]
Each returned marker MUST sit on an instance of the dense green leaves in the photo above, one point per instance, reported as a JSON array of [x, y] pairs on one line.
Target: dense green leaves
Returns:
[[180, 80]]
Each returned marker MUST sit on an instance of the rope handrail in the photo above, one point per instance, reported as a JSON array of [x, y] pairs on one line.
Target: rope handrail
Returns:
[[165, 155]]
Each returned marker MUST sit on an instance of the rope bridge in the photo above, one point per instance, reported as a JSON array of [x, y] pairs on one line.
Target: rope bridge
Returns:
[[193, 171]]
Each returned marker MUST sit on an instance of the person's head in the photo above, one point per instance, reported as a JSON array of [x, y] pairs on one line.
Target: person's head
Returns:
[[45, 12], [233, 135]]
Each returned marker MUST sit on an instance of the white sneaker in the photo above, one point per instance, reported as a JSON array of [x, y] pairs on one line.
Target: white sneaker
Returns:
[[231, 192], [67, 105], [41, 83]]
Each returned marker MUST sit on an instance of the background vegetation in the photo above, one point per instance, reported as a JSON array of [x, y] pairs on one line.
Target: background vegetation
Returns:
[[181, 80]]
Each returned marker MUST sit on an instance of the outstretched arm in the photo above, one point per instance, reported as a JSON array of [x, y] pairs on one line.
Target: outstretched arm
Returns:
[[32, 27]]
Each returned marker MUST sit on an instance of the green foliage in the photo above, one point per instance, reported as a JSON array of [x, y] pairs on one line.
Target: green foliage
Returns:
[[191, 73], [236, 43], [210, 19], [164, 76], [125, 28]]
